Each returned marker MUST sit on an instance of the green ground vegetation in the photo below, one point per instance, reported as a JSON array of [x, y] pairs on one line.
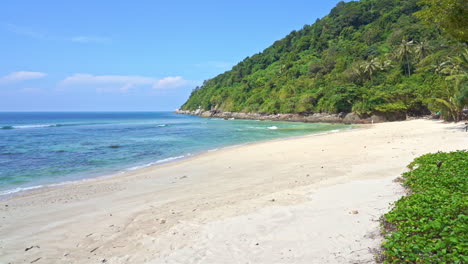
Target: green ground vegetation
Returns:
[[430, 225]]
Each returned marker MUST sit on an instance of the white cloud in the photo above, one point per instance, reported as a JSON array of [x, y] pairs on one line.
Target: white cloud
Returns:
[[21, 76], [170, 82], [123, 83], [90, 39]]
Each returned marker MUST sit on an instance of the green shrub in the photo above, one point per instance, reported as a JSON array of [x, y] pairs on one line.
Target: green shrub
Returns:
[[430, 225]]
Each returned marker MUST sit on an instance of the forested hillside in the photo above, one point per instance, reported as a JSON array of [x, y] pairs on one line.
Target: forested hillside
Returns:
[[368, 56]]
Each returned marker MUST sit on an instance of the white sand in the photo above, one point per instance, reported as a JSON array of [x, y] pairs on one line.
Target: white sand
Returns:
[[286, 201]]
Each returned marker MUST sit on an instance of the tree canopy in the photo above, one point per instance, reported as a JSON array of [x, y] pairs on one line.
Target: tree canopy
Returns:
[[368, 56], [451, 15]]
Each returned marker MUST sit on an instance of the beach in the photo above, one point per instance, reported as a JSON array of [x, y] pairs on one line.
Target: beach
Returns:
[[311, 199]]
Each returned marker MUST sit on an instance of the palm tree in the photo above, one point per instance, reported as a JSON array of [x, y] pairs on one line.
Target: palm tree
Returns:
[[374, 65], [370, 67], [456, 95], [422, 49], [454, 101], [357, 72], [454, 67], [404, 53], [462, 61], [385, 64]]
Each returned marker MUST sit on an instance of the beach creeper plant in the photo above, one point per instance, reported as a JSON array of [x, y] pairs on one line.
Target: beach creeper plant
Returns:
[[430, 224]]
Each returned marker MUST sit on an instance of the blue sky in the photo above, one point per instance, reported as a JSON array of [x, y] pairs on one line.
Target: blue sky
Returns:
[[131, 55]]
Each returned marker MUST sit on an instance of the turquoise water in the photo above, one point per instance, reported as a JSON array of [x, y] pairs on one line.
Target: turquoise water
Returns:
[[47, 148]]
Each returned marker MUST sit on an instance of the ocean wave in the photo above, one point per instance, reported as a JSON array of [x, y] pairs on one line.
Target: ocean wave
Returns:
[[36, 126], [25, 126], [263, 127], [156, 162], [169, 159], [20, 189], [24, 189], [162, 125], [28, 126]]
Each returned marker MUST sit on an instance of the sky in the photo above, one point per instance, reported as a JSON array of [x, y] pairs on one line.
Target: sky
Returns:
[[140, 55]]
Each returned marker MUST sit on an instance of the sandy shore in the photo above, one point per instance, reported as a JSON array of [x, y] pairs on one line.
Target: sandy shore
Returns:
[[314, 199]]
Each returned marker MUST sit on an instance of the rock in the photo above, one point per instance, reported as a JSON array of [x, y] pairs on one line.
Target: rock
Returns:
[[347, 118], [31, 247]]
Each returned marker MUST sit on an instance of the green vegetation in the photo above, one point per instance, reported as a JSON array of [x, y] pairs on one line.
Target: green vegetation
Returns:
[[448, 14], [430, 224], [456, 94], [368, 56]]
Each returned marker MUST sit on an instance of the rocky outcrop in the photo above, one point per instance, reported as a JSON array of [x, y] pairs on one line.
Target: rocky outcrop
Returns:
[[346, 118]]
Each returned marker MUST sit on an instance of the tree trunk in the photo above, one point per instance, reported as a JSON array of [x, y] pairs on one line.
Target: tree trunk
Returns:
[[408, 65]]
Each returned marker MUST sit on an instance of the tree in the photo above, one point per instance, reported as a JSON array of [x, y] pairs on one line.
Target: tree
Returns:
[[371, 67], [455, 98], [422, 49], [404, 52], [456, 67], [453, 102], [356, 73], [450, 15], [462, 62]]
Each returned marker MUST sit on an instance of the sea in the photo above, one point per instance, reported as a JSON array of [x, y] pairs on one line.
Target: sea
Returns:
[[40, 149]]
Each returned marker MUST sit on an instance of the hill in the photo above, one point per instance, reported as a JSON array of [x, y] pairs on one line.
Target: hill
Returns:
[[366, 57]]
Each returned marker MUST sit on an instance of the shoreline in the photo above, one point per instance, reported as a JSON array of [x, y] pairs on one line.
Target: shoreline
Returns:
[[8, 194], [313, 199], [341, 118]]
